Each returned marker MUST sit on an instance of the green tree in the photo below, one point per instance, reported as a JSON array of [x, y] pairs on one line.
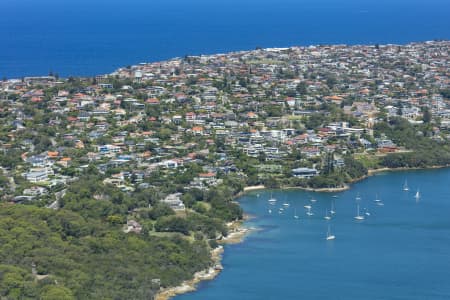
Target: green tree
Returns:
[[56, 293], [426, 115]]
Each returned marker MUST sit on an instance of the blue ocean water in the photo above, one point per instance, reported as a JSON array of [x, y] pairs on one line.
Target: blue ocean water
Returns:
[[88, 37], [400, 251]]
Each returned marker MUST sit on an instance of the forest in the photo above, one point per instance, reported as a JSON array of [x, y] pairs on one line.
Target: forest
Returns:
[[82, 252]]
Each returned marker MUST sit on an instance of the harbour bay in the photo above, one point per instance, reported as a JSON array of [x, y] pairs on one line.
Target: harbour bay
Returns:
[[399, 251]]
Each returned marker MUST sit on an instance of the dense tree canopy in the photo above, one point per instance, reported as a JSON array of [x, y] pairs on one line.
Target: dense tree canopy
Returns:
[[83, 258]]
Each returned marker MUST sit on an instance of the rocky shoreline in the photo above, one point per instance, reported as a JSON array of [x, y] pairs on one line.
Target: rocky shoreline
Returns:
[[236, 235], [325, 190]]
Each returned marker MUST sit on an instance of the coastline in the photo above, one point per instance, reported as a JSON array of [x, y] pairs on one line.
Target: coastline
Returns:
[[370, 172], [190, 285], [262, 187], [318, 190], [236, 235], [374, 171]]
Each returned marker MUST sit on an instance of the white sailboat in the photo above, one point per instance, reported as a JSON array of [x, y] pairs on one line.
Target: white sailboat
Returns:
[[358, 197], [405, 186], [272, 200], [332, 211], [285, 204], [358, 216], [417, 195], [330, 236], [312, 200], [327, 217], [377, 199], [295, 214], [307, 206], [309, 213], [367, 213]]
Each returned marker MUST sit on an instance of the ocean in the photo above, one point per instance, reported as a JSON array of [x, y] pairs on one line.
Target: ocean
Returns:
[[90, 37], [399, 251]]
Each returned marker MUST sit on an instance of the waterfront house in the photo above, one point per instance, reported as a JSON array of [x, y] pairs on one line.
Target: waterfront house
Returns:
[[304, 172]]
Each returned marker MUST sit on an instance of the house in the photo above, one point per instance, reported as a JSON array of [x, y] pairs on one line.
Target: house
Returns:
[[65, 162], [176, 119], [290, 101], [152, 101], [304, 172], [383, 143], [174, 201], [190, 116], [310, 151], [133, 226], [252, 115], [38, 160], [301, 139], [171, 163], [104, 149], [52, 154], [411, 112], [197, 130], [366, 144], [22, 199], [36, 176], [35, 191], [338, 163], [207, 178], [105, 85]]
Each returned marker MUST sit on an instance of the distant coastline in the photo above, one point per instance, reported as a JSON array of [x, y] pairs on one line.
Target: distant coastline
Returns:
[[165, 58]]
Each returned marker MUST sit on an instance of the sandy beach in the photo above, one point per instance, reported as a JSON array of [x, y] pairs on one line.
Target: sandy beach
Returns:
[[254, 188]]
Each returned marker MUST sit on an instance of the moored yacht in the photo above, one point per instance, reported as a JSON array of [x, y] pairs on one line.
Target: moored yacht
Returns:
[[272, 200], [358, 216], [405, 186], [332, 211], [377, 199], [330, 236]]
